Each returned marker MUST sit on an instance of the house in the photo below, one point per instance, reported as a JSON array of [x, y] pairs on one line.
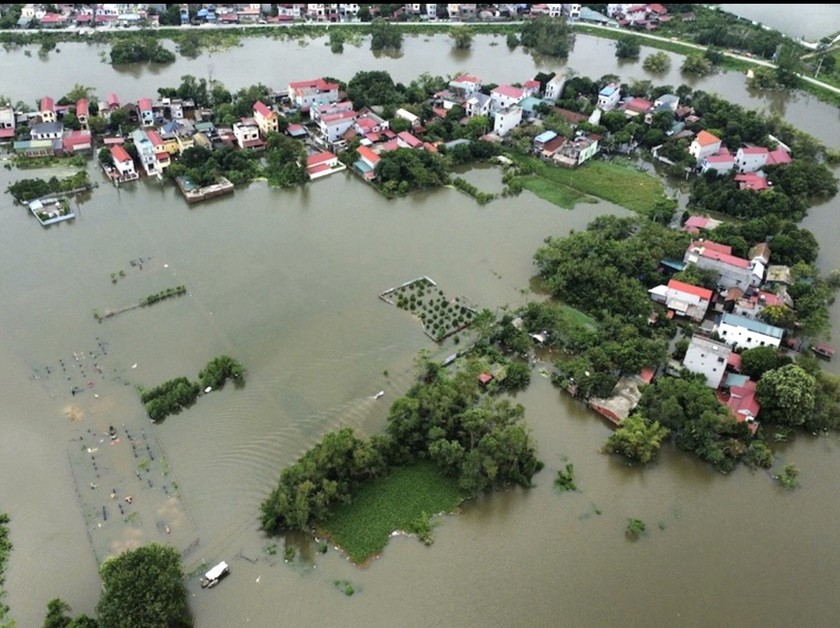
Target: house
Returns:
[[112, 103], [779, 276], [265, 118], [464, 85], [695, 224], [752, 181], [369, 122], [47, 109], [684, 299], [333, 125], [704, 144], [410, 117], [82, 112], [145, 150], [752, 306], [625, 397], [478, 104], [552, 146], [505, 96], [247, 134], [407, 140], [366, 164], [608, 97], [542, 139], [297, 131], [721, 162], [322, 164], [666, 102], [637, 106], [123, 162], [735, 272], [746, 333], [75, 142], [554, 87], [38, 148], [743, 404], [575, 152], [159, 146], [506, 120], [317, 111], [146, 113], [751, 158], [572, 117], [708, 358], [778, 157], [304, 94], [47, 131]]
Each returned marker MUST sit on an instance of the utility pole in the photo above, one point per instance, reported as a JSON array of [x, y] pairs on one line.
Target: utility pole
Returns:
[[817, 73]]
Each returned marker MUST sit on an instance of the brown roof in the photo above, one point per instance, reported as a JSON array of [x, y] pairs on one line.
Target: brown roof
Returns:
[[572, 117]]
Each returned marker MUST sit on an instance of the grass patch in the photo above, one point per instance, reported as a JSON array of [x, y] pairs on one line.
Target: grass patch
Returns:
[[396, 502], [559, 195], [615, 181], [577, 317]]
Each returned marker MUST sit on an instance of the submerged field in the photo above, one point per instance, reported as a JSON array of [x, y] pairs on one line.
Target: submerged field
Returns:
[[398, 502]]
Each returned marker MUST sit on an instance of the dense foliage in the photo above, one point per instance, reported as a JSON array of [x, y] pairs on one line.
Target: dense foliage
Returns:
[[404, 170], [385, 36], [636, 439], [628, 47], [462, 37], [27, 190], [169, 397], [547, 36], [787, 395], [374, 87], [144, 588], [58, 616], [139, 50], [480, 443], [285, 161], [657, 62], [204, 166], [219, 370]]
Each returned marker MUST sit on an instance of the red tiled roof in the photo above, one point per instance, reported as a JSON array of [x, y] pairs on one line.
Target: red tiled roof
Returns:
[[341, 115], [712, 246], [657, 8], [366, 124], [113, 100], [47, 104], [261, 108], [430, 147], [704, 138], [531, 83], [162, 156], [154, 137], [485, 378], [553, 145], [81, 107], [145, 104], [316, 168], [720, 158], [703, 293], [696, 222], [647, 375], [388, 146], [318, 83], [466, 78], [120, 154], [6, 133], [638, 104], [409, 139], [751, 181], [778, 157], [734, 360], [368, 155], [753, 150], [742, 401], [319, 158], [509, 90]]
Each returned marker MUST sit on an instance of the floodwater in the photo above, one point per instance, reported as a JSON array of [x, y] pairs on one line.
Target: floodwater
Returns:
[[287, 282], [800, 21]]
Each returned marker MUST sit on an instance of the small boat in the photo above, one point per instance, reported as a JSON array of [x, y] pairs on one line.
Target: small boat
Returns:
[[823, 350], [379, 394], [212, 577]]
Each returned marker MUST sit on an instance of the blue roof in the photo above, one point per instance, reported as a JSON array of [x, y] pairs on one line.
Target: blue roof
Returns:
[[529, 103], [756, 326], [362, 166], [608, 90], [546, 136]]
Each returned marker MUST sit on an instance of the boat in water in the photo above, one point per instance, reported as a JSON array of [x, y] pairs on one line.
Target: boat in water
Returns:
[[212, 577], [379, 394]]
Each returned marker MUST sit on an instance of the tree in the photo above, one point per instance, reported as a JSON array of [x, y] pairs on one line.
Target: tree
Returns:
[[374, 87], [547, 36], [462, 36], [512, 40], [144, 588], [787, 395], [637, 439], [58, 617], [627, 47], [757, 361], [657, 63], [385, 36], [696, 64], [788, 66]]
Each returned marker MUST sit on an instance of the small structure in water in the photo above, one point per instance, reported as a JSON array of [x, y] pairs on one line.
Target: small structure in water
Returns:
[[823, 350], [212, 577]]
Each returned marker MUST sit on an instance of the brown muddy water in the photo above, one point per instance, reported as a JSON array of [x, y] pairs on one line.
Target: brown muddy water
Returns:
[[287, 282]]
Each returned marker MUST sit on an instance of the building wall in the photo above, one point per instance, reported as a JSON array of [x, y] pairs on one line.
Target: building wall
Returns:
[[745, 338], [709, 360]]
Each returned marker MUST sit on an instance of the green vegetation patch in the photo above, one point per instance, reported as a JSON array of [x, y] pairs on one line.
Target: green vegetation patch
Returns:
[[395, 502], [554, 193], [619, 183], [440, 316]]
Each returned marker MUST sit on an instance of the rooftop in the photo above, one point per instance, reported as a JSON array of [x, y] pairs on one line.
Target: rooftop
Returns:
[[703, 293], [704, 138], [755, 326]]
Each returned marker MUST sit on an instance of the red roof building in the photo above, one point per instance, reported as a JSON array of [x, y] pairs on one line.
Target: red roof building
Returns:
[[368, 155], [47, 104], [743, 404], [320, 158], [82, 108], [120, 154], [145, 104], [704, 138], [407, 139], [687, 288], [113, 101]]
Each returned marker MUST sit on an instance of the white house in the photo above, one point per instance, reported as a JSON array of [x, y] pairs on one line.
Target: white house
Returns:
[[506, 120], [684, 299], [407, 115], [247, 134], [304, 94], [478, 104], [708, 358], [145, 149], [47, 109], [747, 333], [735, 272], [608, 97], [47, 131], [751, 158], [704, 145], [722, 162], [505, 96], [123, 162], [334, 125], [554, 87], [464, 85]]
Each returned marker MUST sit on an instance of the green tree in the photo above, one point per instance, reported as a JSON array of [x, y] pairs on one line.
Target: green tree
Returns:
[[757, 361], [788, 66], [627, 47], [637, 439], [696, 64], [462, 37], [144, 588], [385, 36], [787, 395], [512, 41], [657, 63], [547, 36]]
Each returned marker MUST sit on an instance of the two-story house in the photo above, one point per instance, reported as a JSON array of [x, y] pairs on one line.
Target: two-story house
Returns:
[[735, 272], [47, 110], [266, 118], [304, 94], [123, 162], [83, 112], [505, 96], [145, 151], [747, 333], [247, 134], [609, 97], [146, 112], [703, 145], [708, 358], [554, 86]]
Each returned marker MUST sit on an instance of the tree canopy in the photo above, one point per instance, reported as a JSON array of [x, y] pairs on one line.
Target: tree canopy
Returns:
[[628, 47], [637, 439], [547, 36], [144, 588], [787, 395]]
